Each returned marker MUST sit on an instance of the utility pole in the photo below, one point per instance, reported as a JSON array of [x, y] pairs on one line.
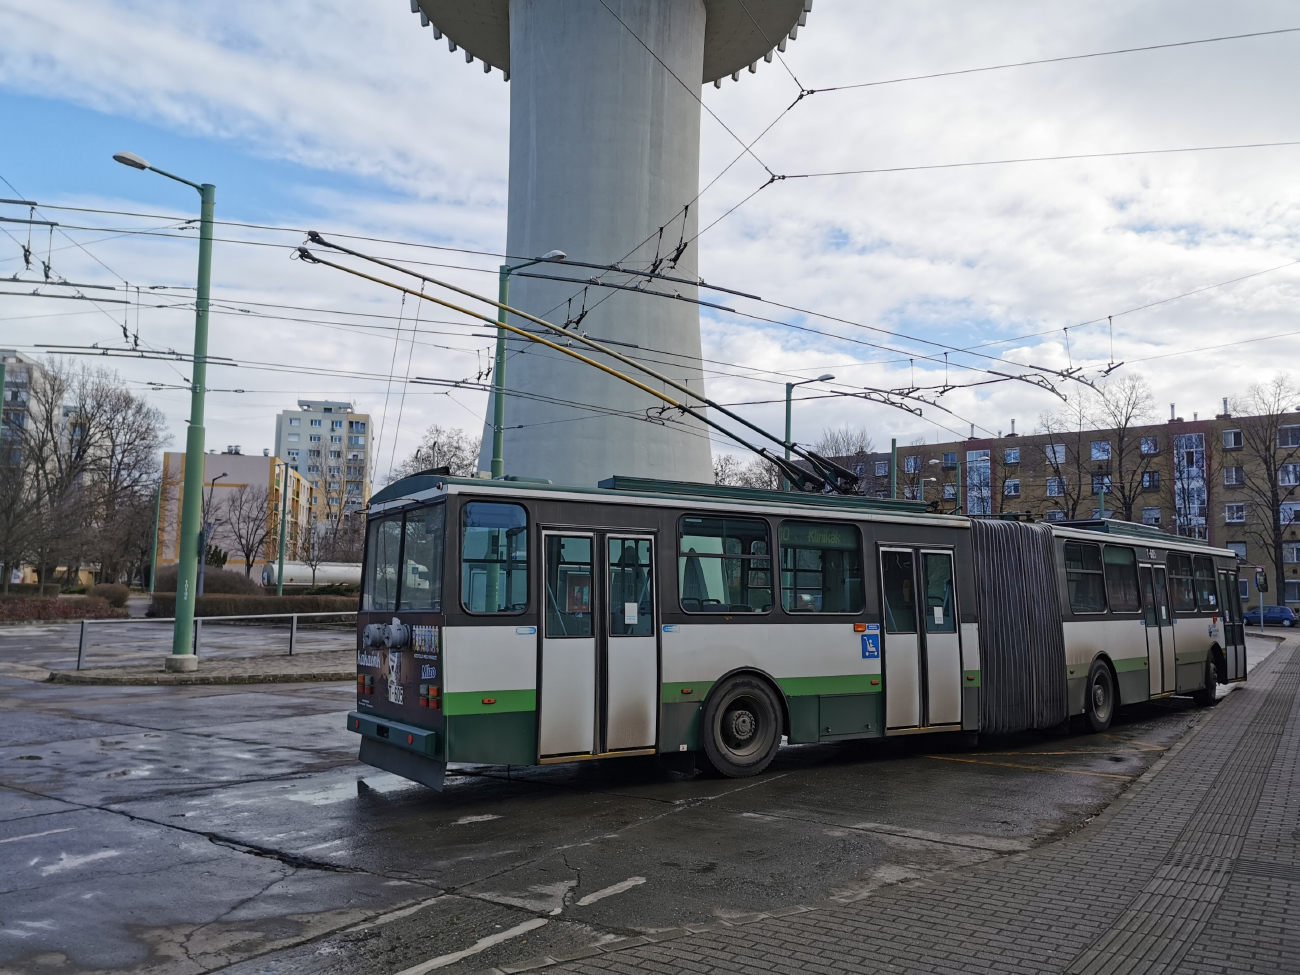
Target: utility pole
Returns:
[[893, 468]]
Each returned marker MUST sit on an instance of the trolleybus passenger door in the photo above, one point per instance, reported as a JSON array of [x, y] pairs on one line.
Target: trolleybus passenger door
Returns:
[[568, 671], [902, 647], [941, 646], [632, 645], [1234, 642], [1159, 631]]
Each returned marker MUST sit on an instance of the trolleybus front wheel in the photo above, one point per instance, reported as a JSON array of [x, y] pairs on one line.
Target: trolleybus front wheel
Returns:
[[1207, 694], [1099, 701], [741, 727]]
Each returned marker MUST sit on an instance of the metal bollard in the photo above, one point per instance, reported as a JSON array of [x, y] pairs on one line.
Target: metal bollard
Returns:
[[198, 635], [81, 644], [293, 632]]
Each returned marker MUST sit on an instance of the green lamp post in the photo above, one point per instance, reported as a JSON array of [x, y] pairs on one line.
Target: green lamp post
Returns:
[[182, 656]]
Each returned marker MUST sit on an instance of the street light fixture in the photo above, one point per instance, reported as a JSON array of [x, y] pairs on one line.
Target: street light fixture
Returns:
[[207, 533], [182, 657], [789, 389], [499, 368]]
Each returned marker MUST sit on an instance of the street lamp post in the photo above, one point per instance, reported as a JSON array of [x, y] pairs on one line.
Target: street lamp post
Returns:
[[789, 390], [207, 534], [182, 656], [499, 368]]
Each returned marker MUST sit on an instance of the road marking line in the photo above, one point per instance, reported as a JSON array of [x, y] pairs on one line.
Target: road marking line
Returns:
[[610, 891], [1032, 768], [465, 820], [72, 862], [482, 944], [32, 836]]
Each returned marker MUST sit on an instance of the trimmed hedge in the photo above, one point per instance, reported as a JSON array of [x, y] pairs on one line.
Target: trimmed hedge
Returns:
[[114, 594], [164, 604], [31, 590], [90, 608], [215, 582]]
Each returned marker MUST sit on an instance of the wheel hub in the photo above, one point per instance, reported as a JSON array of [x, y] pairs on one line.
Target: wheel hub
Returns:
[[740, 725]]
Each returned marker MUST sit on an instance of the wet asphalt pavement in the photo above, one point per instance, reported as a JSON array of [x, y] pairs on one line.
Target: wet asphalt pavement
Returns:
[[188, 829]]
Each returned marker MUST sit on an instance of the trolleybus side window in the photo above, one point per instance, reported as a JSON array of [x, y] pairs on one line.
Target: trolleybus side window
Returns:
[[383, 548], [1181, 585], [631, 588], [568, 586], [1206, 596], [494, 558], [898, 582], [821, 568], [724, 565], [422, 559], [1122, 579], [1083, 577]]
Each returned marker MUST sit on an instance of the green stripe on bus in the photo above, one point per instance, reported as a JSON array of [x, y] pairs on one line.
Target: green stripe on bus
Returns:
[[971, 678], [688, 692], [1123, 666], [846, 684], [476, 702]]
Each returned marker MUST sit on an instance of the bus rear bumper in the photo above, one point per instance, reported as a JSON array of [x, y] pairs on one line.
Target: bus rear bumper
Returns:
[[402, 749]]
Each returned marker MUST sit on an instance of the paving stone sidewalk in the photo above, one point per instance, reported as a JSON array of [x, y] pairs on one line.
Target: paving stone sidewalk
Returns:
[[328, 665], [1196, 869]]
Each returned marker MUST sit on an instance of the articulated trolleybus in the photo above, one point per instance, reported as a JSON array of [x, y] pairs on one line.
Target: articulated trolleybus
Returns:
[[511, 622]]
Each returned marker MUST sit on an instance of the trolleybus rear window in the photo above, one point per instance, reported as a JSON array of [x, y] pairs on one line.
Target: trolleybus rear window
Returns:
[[422, 559], [383, 549], [1181, 586], [1206, 598], [494, 558], [821, 568], [1083, 577], [1122, 580], [724, 566]]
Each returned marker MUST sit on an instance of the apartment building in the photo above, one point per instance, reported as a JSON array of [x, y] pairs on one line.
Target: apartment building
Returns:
[[224, 475], [17, 390], [1232, 480], [328, 443]]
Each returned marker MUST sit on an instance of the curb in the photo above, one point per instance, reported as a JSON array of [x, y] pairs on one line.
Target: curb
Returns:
[[83, 677]]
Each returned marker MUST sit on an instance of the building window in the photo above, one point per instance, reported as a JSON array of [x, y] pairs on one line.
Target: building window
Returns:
[[1292, 591], [356, 426], [354, 488], [356, 471], [1100, 482], [1232, 440], [912, 465], [1234, 514], [314, 438], [1011, 488], [313, 453], [1150, 480], [950, 460], [356, 441], [909, 492], [336, 424], [1055, 514], [313, 468], [315, 423], [1239, 548], [882, 468], [1288, 436], [336, 471], [1011, 455], [1288, 475], [1289, 512], [1055, 453], [1101, 450], [294, 437], [1234, 476], [1151, 516], [293, 455], [1290, 552], [1150, 446], [860, 469], [1056, 487], [950, 492], [294, 421], [338, 439], [336, 455]]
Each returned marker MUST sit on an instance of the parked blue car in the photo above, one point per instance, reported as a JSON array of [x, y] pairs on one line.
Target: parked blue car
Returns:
[[1273, 616]]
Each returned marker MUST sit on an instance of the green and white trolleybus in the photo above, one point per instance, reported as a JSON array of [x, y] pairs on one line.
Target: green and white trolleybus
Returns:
[[520, 623]]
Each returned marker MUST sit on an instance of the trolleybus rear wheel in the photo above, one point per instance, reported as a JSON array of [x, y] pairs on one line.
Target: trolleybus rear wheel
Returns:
[[741, 727], [1207, 694], [1099, 699]]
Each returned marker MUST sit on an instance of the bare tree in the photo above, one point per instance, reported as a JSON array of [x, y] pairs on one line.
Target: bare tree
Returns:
[[846, 441], [1066, 455], [727, 469], [441, 447], [1272, 476], [1123, 407], [248, 520], [756, 473], [314, 548]]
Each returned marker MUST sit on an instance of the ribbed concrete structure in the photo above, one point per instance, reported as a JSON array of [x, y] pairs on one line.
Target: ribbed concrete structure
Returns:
[[604, 152]]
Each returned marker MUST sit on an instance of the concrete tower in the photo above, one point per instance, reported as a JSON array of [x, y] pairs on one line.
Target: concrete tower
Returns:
[[604, 151]]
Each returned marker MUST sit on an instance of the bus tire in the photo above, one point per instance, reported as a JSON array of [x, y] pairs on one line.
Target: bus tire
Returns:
[[741, 726], [1207, 695], [1099, 698]]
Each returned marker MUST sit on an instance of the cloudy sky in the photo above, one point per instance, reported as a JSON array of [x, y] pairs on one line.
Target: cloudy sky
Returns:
[[349, 118]]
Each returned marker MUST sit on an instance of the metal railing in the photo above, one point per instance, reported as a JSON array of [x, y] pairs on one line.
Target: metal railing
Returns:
[[293, 618]]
